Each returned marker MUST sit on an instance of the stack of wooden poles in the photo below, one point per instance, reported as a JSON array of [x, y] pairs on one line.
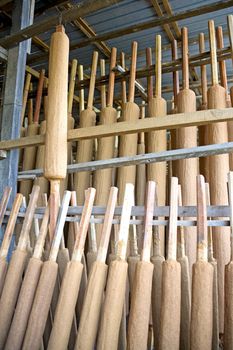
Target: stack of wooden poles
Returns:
[[166, 288]]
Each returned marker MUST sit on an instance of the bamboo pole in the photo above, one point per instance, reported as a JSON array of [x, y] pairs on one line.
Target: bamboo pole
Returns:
[[45, 287], [65, 309], [28, 289], [128, 143], [213, 262], [202, 282], [85, 148], [169, 336], [8, 232], [218, 170], [203, 130], [88, 325], [156, 141], [116, 284], [103, 177], [185, 286], [141, 298], [15, 270], [187, 169], [228, 320]]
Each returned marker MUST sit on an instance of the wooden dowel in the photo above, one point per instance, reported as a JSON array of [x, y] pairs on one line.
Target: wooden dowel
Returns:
[[123, 84], [203, 72], [158, 67], [92, 80], [73, 73], [172, 231], [202, 250], [149, 78], [4, 201], [83, 227], [25, 96], [38, 250], [111, 77], [39, 96], [133, 72], [30, 106], [176, 85], [213, 53], [103, 87], [185, 60], [222, 63], [10, 225], [81, 91]]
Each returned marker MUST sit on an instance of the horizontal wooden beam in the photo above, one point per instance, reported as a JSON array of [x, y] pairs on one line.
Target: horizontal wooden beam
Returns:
[[147, 158], [171, 121]]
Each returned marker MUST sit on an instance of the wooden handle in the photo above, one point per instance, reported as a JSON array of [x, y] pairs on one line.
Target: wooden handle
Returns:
[[149, 78], [141, 135], [133, 71], [4, 202], [230, 192], [39, 96], [123, 84], [181, 228], [213, 53], [185, 58], [84, 223], [149, 212], [107, 225], [230, 30], [158, 67], [73, 73], [176, 84], [210, 232], [30, 106], [222, 63], [92, 80], [76, 227], [27, 223], [92, 242], [60, 226], [10, 225], [25, 96], [103, 87], [81, 91], [125, 219], [111, 77], [42, 235], [203, 71], [202, 252], [172, 230]]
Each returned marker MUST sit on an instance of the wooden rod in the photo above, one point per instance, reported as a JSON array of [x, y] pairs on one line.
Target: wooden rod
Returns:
[[73, 73], [213, 52], [123, 84], [222, 63], [92, 80], [111, 77], [172, 231], [39, 96], [176, 84], [202, 250], [25, 96], [149, 78], [185, 58], [133, 71], [203, 72], [158, 67], [81, 91], [103, 87]]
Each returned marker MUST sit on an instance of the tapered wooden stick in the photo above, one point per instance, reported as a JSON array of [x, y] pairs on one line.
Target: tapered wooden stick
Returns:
[[85, 148], [81, 91], [202, 283], [25, 96], [103, 87], [15, 270], [8, 232], [185, 287], [39, 96], [218, 170], [187, 137], [169, 336], [156, 141], [213, 262], [65, 309], [128, 143], [43, 296], [150, 78], [103, 177], [28, 289], [228, 321], [142, 287], [203, 130], [88, 325], [123, 84], [116, 283]]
